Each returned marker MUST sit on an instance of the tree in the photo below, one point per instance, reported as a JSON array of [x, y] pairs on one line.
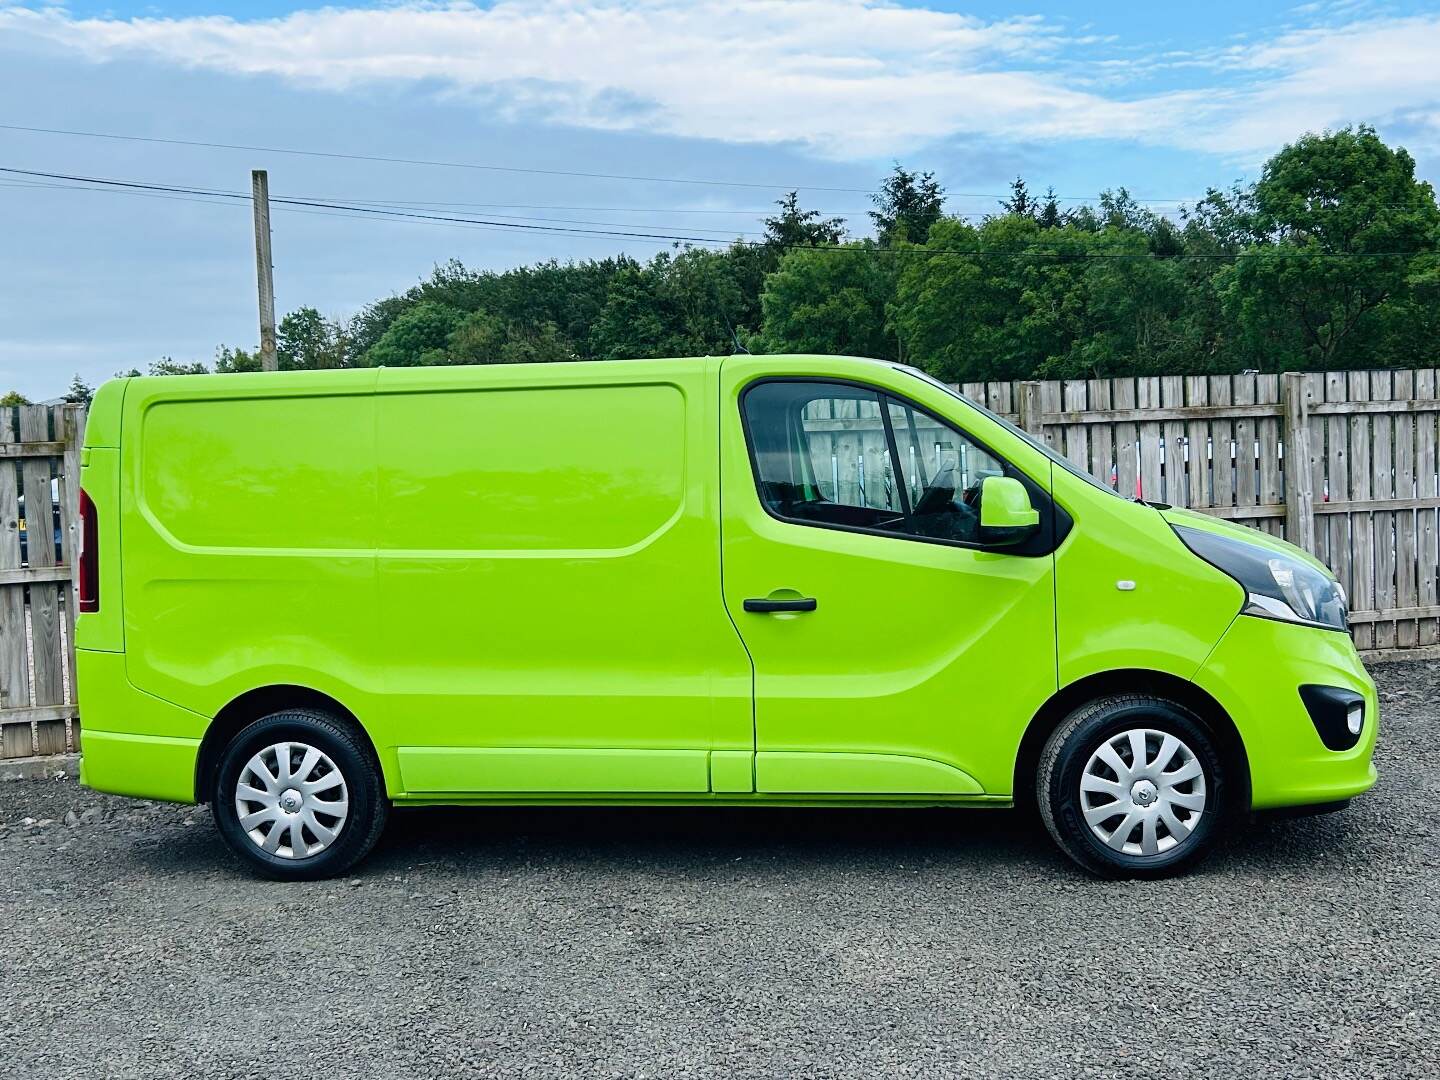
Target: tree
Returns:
[[683, 304], [794, 227], [1020, 202], [1063, 302], [167, 366], [630, 324], [700, 301], [1050, 216], [906, 206], [422, 331], [13, 397], [1119, 210], [1332, 259], [370, 323], [994, 316], [80, 393], [1342, 233], [229, 361], [306, 339], [829, 300], [545, 344], [478, 339]]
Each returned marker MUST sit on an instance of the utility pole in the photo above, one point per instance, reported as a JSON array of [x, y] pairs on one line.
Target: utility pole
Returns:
[[264, 269]]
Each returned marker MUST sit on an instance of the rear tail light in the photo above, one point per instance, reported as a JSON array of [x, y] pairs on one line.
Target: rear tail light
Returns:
[[89, 555]]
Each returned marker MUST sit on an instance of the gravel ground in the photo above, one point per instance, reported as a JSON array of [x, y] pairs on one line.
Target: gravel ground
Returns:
[[713, 942]]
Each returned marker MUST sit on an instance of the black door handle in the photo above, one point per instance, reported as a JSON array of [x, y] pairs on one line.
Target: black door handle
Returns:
[[762, 607]]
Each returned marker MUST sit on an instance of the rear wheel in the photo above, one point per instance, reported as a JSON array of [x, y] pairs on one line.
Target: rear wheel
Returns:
[[1132, 786], [298, 796]]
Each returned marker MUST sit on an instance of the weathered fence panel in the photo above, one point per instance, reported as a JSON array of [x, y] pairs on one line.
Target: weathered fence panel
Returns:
[[39, 492]]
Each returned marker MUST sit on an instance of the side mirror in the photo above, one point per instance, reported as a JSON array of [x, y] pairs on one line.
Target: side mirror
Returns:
[[1006, 516]]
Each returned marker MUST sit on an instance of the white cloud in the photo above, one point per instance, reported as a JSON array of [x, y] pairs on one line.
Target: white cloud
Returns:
[[848, 78], [1327, 77]]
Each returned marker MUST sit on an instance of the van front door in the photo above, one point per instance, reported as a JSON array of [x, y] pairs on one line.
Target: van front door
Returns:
[[895, 653]]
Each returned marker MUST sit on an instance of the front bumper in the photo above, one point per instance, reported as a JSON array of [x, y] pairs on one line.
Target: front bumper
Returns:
[[1255, 673]]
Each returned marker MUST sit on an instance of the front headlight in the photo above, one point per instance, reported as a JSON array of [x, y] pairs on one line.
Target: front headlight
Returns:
[[1277, 586]]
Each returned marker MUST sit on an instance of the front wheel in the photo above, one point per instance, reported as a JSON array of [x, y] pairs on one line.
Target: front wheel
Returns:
[[1132, 786], [298, 797]]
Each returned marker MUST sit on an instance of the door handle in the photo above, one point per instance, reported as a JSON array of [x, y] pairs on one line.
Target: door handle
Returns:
[[765, 607]]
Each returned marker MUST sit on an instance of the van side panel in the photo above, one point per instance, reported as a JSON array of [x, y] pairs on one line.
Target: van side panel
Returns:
[[1128, 595], [249, 537], [550, 576]]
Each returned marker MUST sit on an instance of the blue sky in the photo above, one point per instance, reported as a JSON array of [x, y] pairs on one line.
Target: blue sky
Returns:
[[812, 94]]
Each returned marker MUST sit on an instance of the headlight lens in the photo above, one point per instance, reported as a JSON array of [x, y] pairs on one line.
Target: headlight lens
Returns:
[[1277, 586]]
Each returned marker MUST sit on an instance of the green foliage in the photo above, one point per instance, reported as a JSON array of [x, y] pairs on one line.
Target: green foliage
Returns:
[[907, 206], [228, 360], [676, 305], [80, 392], [417, 336], [1334, 225], [13, 397], [1332, 259], [167, 366], [1083, 299], [1021, 203], [478, 338], [830, 300], [307, 340], [794, 227]]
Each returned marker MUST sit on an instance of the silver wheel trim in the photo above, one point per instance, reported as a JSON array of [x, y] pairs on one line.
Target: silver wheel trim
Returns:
[[1142, 792], [291, 800]]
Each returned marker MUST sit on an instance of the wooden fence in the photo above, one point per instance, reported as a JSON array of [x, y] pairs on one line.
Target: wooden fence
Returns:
[[1341, 463], [39, 471]]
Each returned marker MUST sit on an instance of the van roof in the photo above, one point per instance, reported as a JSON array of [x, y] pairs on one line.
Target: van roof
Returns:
[[483, 372]]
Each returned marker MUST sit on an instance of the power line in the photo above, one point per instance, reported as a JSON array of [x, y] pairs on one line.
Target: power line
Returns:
[[137, 185], [378, 213], [341, 156], [430, 204], [363, 204], [425, 204], [486, 167], [358, 213]]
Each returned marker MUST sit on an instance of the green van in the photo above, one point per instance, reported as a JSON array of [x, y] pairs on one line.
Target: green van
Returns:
[[308, 597]]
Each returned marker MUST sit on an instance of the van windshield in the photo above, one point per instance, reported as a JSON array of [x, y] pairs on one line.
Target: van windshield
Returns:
[[1059, 459]]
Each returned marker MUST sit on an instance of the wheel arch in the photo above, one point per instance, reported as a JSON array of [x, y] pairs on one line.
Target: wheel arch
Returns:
[[251, 706], [1131, 681]]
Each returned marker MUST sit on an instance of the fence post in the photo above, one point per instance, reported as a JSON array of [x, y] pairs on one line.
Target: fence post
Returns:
[[1299, 493], [1029, 408]]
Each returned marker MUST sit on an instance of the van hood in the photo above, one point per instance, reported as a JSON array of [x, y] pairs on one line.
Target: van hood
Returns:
[[1190, 519]]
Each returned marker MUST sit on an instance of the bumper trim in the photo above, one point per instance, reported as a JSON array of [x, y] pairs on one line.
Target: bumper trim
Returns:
[[1329, 708]]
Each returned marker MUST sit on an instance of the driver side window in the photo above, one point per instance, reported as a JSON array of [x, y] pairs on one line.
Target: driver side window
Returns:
[[826, 454], [942, 471]]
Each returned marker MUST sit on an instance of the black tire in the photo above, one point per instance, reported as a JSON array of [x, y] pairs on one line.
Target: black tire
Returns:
[[1062, 804], [367, 807]]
